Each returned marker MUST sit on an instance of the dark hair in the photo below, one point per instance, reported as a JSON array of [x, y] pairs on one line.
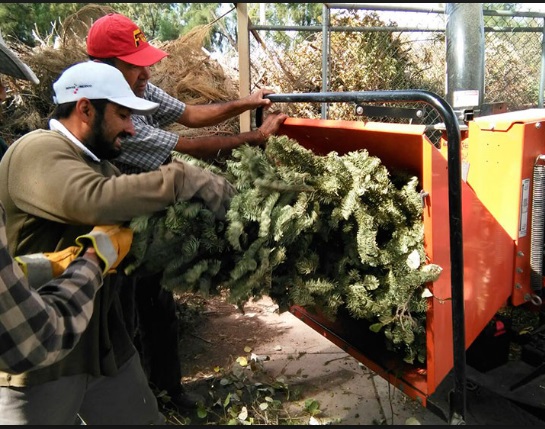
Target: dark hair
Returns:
[[109, 61], [64, 110]]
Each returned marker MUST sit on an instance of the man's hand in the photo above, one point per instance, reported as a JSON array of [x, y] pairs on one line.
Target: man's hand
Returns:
[[256, 99], [111, 243], [39, 268], [270, 126], [215, 190]]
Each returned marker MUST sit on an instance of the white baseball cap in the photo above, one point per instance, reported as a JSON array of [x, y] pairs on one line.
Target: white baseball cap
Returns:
[[96, 80]]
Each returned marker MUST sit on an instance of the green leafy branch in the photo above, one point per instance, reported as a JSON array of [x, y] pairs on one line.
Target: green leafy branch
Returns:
[[324, 232]]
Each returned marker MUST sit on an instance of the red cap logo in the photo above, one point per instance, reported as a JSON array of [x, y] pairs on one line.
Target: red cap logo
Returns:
[[138, 37]]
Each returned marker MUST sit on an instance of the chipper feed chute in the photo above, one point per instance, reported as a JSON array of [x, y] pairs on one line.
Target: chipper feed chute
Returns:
[[477, 228]]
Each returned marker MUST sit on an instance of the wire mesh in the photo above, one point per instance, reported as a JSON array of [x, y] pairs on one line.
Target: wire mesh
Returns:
[[375, 49]]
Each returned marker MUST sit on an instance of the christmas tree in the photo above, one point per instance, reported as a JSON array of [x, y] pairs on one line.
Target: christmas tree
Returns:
[[324, 232]]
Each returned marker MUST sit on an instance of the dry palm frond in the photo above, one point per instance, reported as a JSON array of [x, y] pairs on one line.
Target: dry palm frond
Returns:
[[188, 73], [76, 26]]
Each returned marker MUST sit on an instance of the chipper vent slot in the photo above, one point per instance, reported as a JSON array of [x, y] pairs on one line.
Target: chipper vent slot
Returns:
[[538, 220]]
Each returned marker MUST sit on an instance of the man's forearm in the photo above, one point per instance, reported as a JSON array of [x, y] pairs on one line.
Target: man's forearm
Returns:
[[52, 319], [210, 147], [197, 116]]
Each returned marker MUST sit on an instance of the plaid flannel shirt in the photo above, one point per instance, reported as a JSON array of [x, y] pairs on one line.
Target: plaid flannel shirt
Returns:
[[40, 327], [151, 146]]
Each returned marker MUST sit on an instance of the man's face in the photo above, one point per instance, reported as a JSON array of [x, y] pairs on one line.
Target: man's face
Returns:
[[108, 128], [136, 76]]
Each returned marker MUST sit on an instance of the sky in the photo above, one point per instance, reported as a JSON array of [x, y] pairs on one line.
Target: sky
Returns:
[[534, 7], [409, 18]]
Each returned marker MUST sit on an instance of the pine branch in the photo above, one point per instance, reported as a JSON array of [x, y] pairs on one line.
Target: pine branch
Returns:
[[320, 231]]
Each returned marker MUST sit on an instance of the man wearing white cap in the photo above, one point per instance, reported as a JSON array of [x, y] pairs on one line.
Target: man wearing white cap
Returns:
[[56, 184], [118, 41], [40, 327]]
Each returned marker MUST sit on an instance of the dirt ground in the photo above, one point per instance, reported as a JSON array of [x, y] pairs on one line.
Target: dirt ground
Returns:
[[303, 377], [213, 335], [217, 335]]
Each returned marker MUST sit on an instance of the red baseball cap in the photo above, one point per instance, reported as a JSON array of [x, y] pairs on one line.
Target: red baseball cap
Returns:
[[116, 36]]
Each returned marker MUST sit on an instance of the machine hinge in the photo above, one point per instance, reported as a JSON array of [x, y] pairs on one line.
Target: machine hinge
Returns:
[[423, 196]]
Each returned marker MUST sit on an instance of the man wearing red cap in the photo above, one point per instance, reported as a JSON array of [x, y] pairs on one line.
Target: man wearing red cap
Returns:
[[118, 41]]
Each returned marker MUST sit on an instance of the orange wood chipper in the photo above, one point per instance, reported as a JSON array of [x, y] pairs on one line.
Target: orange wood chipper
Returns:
[[483, 187]]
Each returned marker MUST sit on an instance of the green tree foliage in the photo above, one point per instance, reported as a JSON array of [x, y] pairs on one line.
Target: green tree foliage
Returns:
[[218, 16], [358, 61], [20, 20], [148, 16], [195, 14], [501, 6], [324, 232], [161, 21], [296, 14], [168, 21]]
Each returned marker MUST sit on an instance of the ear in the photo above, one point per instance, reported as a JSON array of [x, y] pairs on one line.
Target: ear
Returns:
[[85, 110]]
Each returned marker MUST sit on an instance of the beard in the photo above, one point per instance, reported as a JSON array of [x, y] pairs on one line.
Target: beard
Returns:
[[101, 146]]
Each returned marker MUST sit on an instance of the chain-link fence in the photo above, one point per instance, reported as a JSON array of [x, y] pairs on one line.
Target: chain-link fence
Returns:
[[513, 59], [372, 47]]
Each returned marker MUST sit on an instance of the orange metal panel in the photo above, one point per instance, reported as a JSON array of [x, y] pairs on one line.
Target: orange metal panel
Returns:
[[502, 151], [488, 249], [397, 143], [488, 265]]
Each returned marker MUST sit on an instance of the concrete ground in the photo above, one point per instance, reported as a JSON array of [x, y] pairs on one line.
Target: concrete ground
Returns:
[[347, 391]]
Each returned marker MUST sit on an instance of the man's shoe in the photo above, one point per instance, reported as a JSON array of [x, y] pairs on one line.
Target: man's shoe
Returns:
[[187, 400]]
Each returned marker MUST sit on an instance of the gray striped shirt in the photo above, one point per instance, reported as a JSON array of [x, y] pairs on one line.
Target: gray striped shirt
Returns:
[[151, 146]]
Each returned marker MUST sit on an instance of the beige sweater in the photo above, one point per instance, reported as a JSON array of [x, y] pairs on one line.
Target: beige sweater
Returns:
[[53, 192]]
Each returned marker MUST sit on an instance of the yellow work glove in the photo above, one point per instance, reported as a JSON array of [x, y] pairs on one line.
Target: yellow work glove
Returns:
[[39, 268], [111, 242]]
